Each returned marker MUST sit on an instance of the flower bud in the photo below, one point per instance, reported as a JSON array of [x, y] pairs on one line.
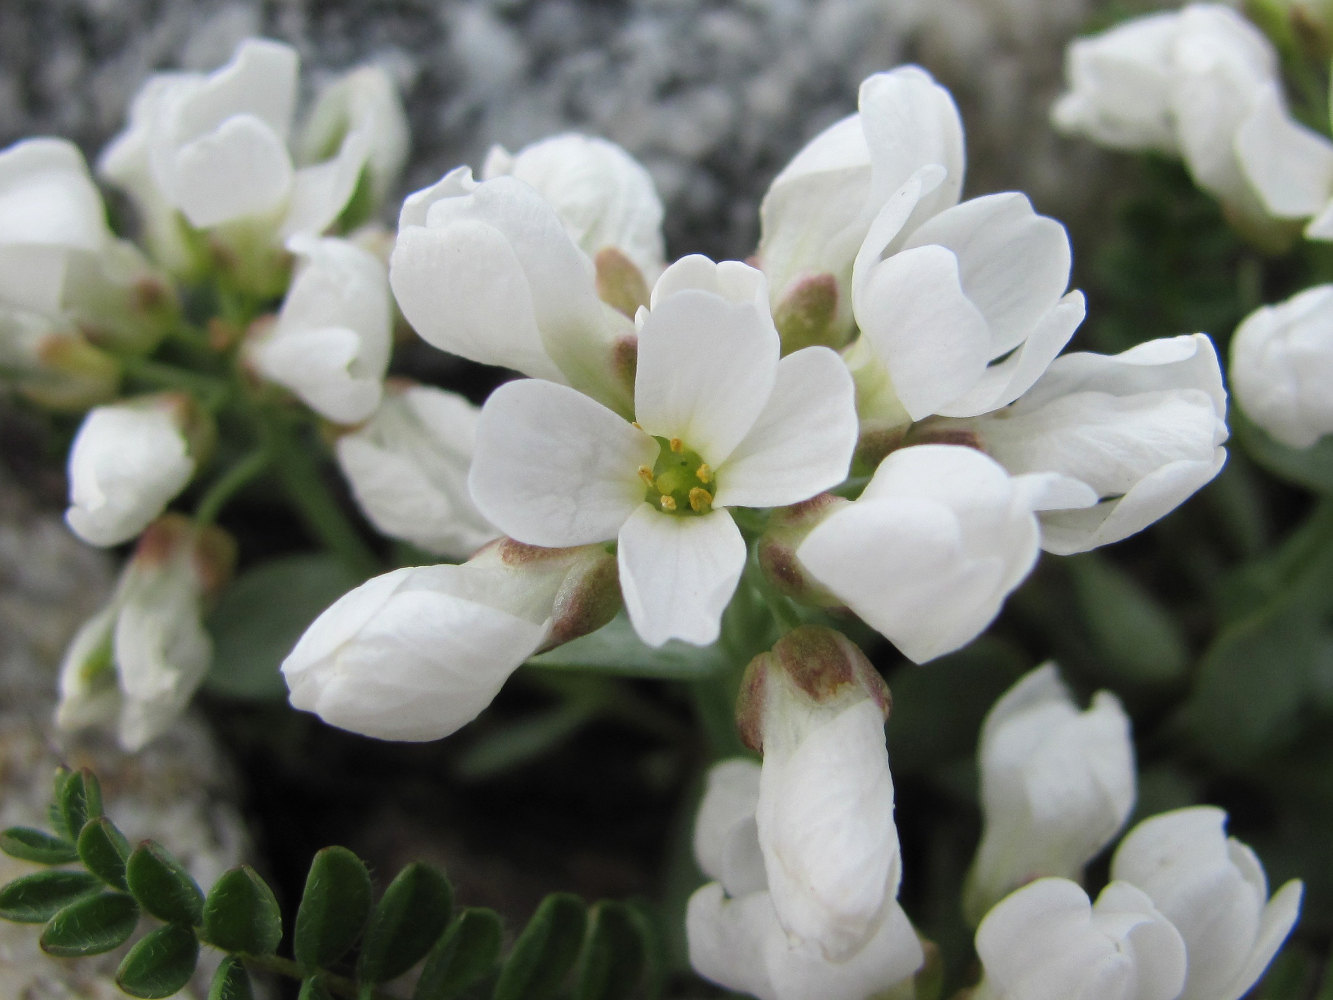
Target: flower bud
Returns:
[[137, 662], [128, 461], [1048, 942], [1213, 888], [408, 467], [419, 652], [1057, 784], [1282, 363], [807, 313], [816, 708], [786, 529], [53, 365], [331, 340]]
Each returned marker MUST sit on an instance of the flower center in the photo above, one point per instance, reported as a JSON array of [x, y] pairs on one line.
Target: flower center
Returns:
[[680, 482]]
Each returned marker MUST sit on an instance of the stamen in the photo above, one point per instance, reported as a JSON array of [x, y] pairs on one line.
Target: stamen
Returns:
[[635, 423], [668, 502], [677, 445], [646, 474], [701, 501], [704, 473]]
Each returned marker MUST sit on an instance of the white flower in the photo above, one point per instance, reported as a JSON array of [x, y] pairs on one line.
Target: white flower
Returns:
[[58, 258], [818, 210], [408, 466], [128, 460], [940, 305], [1213, 888], [1047, 942], [214, 148], [49, 362], [1201, 82], [418, 652], [937, 540], [603, 196], [488, 271], [816, 708], [137, 661], [1057, 785], [1143, 430], [719, 421], [1282, 364], [734, 935], [330, 342]]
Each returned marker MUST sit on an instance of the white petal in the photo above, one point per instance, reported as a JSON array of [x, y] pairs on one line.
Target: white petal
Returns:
[[911, 121], [1278, 918], [727, 939], [726, 841], [678, 573], [240, 169], [888, 959], [803, 440], [922, 328], [1289, 166], [554, 467], [706, 368], [731, 279]]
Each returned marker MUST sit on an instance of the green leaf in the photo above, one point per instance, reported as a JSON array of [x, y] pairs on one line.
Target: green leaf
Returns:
[[409, 918], [231, 982], [512, 744], [468, 951], [104, 850], [545, 951], [161, 964], [260, 616], [54, 811], [314, 989], [1309, 467], [162, 885], [27, 844], [91, 926], [1133, 634], [80, 800], [333, 908], [616, 648], [614, 957], [36, 898], [241, 914]]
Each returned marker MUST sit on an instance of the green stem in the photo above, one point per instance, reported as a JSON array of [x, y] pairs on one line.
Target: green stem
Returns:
[[305, 488], [227, 485], [208, 388], [338, 985]]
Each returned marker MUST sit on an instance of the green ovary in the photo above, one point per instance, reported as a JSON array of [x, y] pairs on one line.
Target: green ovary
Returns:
[[680, 482]]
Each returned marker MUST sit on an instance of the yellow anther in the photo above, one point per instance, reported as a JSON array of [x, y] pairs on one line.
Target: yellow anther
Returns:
[[646, 474], [668, 502], [701, 501], [677, 445], [635, 423], [704, 473]]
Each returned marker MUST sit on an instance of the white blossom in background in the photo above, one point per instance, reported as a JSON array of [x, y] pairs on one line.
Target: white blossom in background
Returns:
[[732, 927], [136, 663], [1047, 941], [604, 197], [719, 420], [818, 210], [932, 547], [59, 259], [408, 465], [331, 340], [212, 151], [1057, 785], [1213, 889], [128, 461], [418, 652], [1143, 430], [1282, 366], [1202, 83]]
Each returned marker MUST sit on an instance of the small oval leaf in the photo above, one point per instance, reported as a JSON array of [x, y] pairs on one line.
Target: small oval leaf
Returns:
[[104, 850], [27, 844], [54, 812], [241, 914], [161, 964], [409, 918], [614, 957], [36, 898], [333, 908], [91, 926], [80, 800], [546, 950], [468, 951], [162, 885], [231, 982]]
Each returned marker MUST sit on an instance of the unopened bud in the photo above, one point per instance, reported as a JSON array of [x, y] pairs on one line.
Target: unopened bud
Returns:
[[786, 530], [59, 370], [807, 315], [620, 283]]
